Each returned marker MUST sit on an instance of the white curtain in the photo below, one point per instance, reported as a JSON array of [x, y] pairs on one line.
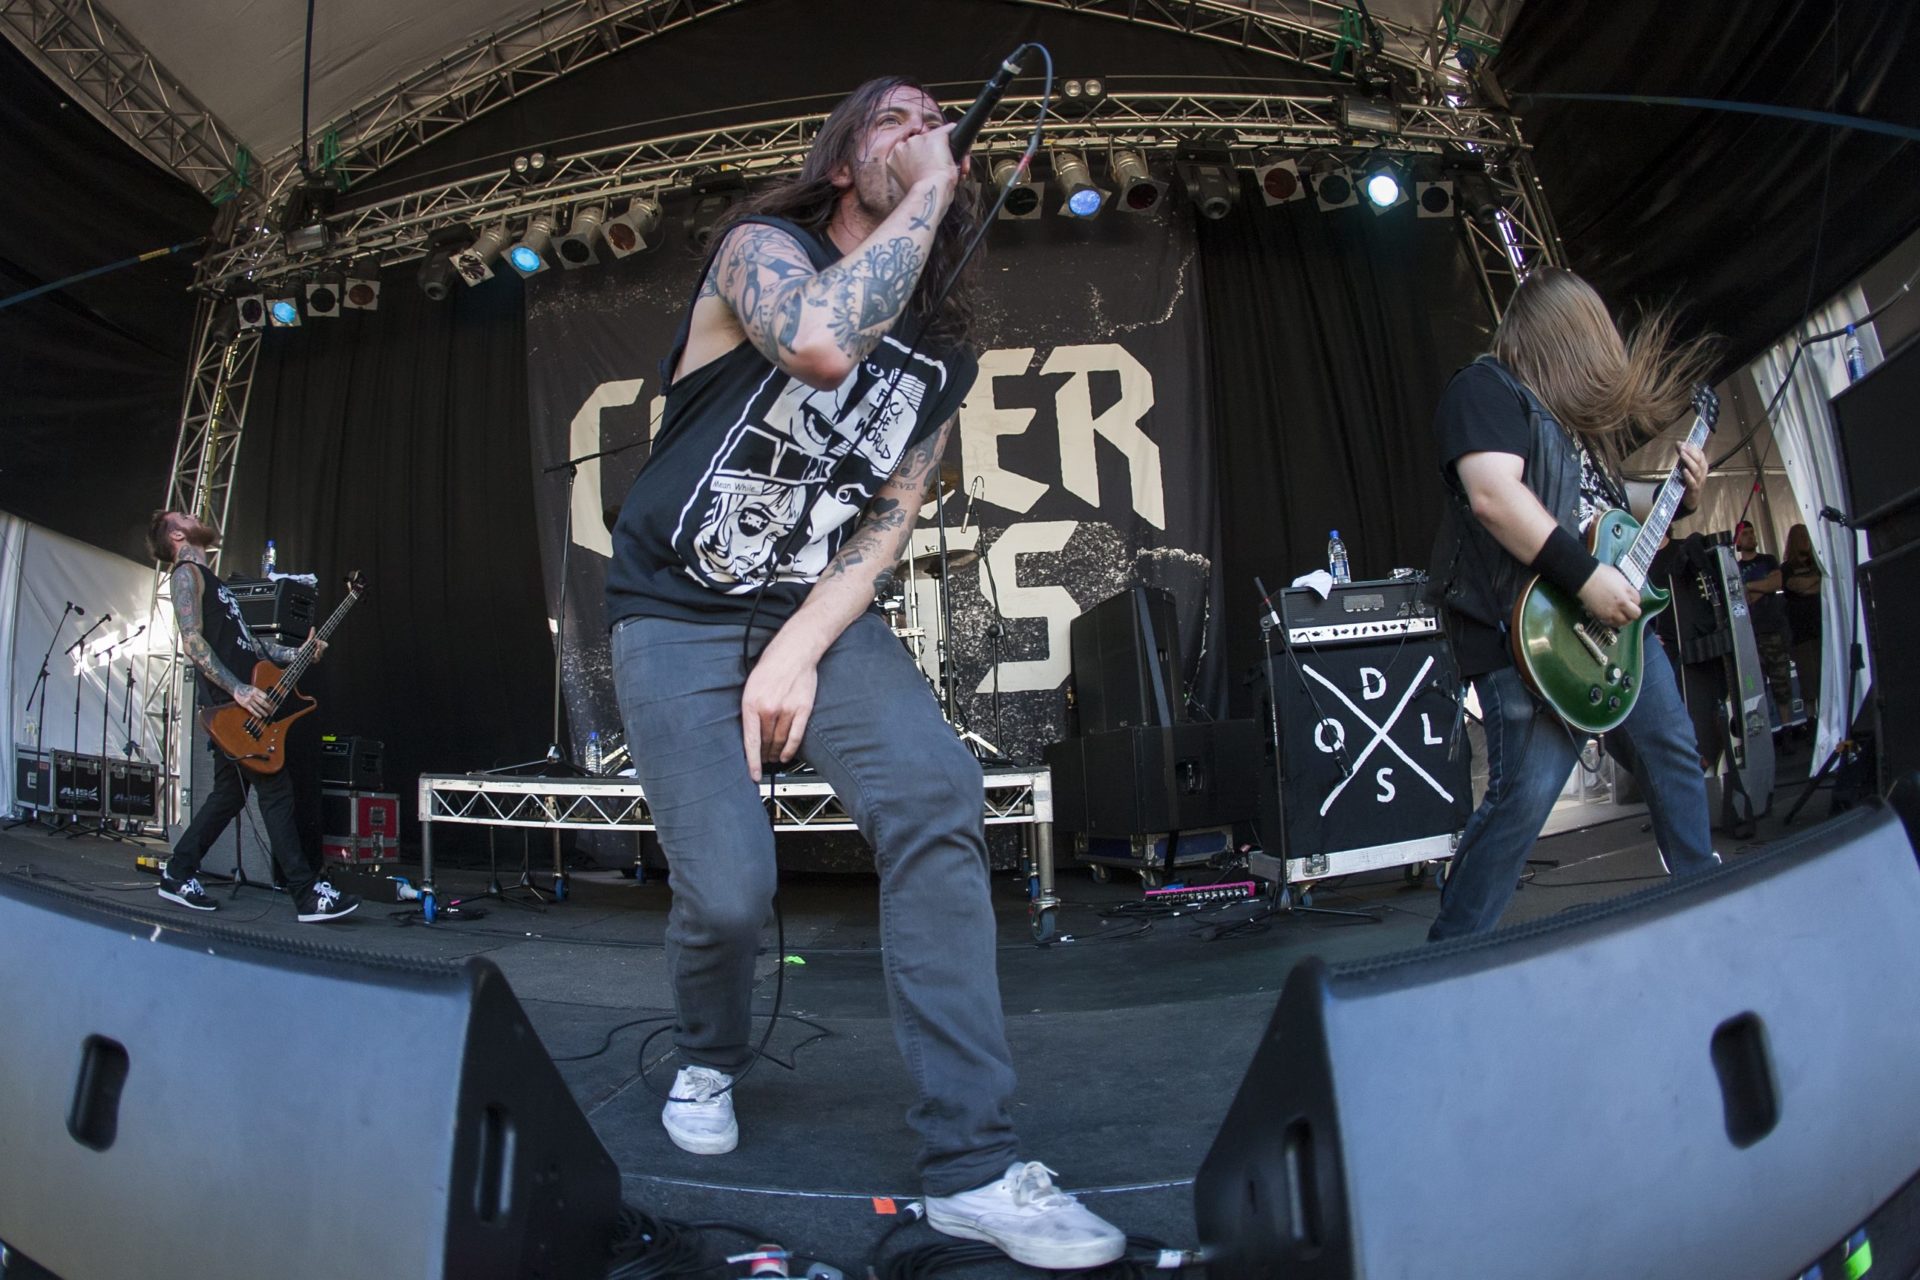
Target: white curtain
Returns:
[[1803, 432], [13, 534]]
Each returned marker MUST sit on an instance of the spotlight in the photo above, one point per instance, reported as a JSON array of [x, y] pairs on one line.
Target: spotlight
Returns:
[[1083, 199], [712, 198], [529, 256], [1023, 199], [1476, 195], [1140, 192], [303, 219], [284, 312], [225, 325], [1433, 199], [1080, 95], [529, 168], [1212, 185], [1385, 185], [437, 270], [363, 285], [1280, 182], [251, 309], [323, 295], [474, 263], [1333, 188], [576, 248], [636, 229]]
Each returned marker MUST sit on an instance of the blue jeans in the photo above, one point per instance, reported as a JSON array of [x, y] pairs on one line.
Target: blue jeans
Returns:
[[1530, 752], [914, 791]]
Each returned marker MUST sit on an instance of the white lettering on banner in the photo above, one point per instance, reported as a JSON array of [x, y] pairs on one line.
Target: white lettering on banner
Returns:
[[983, 422], [1119, 423], [1320, 735], [583, 436], [1385, 779], [1426, 731], [1055, 604], [1373, 685]]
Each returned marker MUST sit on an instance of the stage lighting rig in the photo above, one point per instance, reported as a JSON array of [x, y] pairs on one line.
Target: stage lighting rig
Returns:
[[303, 219], [530, 168], [1139, 191], [1475, 194], [363, 285], [474, 264], [1023, 201], [1211, 183], [284, 311], [1434, 199], [225, 325], [1081, 199], [437, 269], [576, 249], [1384, 180], [323, 295], [529, 256], [1280, 181], [1333, 188], [251, 309], [712, 198], [636, 229], [1080, 95]]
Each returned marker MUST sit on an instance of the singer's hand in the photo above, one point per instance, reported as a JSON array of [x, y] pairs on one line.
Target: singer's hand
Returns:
[[926, 157]]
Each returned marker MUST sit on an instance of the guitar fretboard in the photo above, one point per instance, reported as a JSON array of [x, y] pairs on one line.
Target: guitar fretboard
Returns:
[[1639, 558]]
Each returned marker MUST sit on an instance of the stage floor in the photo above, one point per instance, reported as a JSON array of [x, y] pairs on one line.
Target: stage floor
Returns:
[[1130, 1034]]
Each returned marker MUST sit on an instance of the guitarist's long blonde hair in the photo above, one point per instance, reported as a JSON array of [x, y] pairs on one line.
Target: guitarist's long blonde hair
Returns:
[[1557, 337]]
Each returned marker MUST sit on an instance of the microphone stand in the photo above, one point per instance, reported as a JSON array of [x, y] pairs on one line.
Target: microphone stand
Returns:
[[1283, 900], [79, 672], [557, 760], [39, 725]]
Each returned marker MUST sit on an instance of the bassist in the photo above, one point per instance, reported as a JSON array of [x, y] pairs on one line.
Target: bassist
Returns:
[[218, 642], [1531, 437]]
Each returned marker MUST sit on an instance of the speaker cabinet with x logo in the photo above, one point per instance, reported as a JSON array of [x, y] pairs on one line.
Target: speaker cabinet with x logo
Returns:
[[1374, 769]]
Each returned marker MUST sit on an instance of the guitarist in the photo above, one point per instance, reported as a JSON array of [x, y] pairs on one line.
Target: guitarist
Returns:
[[219, 643], [1531, 437]]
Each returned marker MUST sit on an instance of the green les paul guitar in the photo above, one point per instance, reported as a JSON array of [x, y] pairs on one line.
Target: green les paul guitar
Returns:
[[1586, 671]]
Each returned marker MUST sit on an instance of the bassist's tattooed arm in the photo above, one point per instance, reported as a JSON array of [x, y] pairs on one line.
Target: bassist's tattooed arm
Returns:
[[186, 611]]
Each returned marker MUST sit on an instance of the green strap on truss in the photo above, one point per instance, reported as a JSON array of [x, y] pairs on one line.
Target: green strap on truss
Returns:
[[236, 180], [1465, 34], [1353, 35]]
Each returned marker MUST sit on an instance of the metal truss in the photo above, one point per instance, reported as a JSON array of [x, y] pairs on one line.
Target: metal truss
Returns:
[[84, 51], [395, 229], [1011, 796], [1518, 238], [506, 65]]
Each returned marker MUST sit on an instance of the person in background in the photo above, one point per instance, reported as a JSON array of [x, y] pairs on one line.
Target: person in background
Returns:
[[1771, 633], [1800, 577]]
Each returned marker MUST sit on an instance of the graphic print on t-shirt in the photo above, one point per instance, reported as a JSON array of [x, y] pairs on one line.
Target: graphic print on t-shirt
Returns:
[[774, 466]]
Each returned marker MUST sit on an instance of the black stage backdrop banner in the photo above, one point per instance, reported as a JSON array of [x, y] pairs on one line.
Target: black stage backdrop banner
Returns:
[[1332, 334], [395, 441], [1086, 438]]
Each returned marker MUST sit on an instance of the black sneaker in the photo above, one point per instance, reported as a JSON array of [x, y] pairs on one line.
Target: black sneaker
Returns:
[[187, 893], [324, 902]]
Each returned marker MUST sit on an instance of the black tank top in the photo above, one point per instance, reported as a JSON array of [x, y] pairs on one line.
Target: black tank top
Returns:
[[746, 454], [226, 633]]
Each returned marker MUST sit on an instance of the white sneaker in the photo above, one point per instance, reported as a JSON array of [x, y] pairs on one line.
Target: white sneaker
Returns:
[[1030, 1219], [699, 1114]]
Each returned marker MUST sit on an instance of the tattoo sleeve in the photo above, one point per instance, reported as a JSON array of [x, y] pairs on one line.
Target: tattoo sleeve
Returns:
[[186, 611], [279, 654], [767, 279], [887, 525]]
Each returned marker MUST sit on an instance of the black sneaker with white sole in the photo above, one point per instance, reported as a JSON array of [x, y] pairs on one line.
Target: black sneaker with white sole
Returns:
[[324, 902], [187, 893]]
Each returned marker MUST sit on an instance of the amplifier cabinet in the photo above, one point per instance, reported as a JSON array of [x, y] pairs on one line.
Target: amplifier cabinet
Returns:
[[284, 609], [1371, 771], [353, 763], [1126, 662], [1141, 781]]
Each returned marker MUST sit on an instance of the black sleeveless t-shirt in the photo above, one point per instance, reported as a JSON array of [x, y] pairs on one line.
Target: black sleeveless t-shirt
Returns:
[[226, 633], [746, 454]]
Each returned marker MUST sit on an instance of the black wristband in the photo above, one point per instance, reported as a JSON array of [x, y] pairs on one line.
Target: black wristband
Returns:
[[1564, 562]]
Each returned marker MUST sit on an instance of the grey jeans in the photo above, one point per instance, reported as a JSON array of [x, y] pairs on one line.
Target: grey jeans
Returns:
[[915, 792]]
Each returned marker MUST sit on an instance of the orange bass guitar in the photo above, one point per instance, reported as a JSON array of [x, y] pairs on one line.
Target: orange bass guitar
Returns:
[[258, 743]]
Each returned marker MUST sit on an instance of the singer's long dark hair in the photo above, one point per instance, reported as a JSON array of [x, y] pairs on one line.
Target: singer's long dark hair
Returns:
[[810, 197]]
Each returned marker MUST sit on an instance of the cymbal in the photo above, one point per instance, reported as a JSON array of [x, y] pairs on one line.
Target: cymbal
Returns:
[[927, 563]]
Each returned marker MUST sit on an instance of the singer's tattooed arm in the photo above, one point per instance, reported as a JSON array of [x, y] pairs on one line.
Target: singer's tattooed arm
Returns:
[[881, 540], [186, 611]]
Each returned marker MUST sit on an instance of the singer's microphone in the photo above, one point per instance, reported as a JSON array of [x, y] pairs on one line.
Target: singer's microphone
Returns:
[[969, 127]]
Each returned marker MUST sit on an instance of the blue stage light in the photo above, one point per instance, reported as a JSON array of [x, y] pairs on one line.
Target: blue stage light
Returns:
[[1084, 203], [524, 260], [285, 312]]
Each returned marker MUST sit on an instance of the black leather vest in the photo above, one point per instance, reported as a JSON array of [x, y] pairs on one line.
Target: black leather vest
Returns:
[[1471, 573]]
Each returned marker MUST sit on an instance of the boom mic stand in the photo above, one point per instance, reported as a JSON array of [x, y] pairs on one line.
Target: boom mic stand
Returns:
[[40, 724], [1284, 903]]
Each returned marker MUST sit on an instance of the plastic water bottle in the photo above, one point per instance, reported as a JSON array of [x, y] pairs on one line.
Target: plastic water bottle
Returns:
[[266, 560], [1856, 358], [1337, 558], [593, 751]]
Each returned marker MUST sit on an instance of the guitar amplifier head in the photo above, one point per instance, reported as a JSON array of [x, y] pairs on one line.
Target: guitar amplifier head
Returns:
[[282, 608], [1358, 612]]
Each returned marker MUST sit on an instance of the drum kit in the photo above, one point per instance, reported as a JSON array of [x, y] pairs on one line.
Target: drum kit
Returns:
[[925, 625]]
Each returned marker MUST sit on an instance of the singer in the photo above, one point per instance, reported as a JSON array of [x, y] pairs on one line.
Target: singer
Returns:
[[219, 643], [810, 394]]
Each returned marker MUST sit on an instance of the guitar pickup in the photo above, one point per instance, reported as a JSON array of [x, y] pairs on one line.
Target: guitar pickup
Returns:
[[1599, 655]]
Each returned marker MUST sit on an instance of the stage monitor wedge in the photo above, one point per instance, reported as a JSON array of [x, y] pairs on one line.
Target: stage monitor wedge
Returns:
[[201, 1102], [1712, 1077]]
